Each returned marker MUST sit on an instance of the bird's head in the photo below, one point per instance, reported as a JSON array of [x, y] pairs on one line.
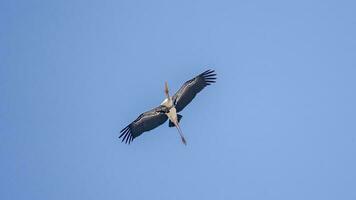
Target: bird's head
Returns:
[[166, 91]]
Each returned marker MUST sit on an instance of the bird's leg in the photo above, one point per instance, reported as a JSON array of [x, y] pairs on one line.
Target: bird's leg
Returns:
[[166, 91], [180, 133]]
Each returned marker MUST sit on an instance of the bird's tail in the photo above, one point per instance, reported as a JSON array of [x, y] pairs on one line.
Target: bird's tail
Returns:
[[171, 124]]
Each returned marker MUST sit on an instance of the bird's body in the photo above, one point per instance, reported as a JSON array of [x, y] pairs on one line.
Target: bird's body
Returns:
[[172, 111], [168, 108]]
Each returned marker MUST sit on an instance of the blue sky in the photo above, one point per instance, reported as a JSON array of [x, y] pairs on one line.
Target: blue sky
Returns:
[[278, 124]]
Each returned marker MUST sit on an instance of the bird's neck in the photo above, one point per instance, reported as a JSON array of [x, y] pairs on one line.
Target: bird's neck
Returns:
[[167, 102]]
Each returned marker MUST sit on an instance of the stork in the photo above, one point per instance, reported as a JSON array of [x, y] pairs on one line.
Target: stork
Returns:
[[169, 108]]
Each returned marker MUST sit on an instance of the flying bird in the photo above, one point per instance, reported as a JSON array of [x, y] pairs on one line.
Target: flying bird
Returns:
[[169, 108]]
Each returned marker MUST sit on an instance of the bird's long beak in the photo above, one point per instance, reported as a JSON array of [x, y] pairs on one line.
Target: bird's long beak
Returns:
[[181, 134], [166, 91]]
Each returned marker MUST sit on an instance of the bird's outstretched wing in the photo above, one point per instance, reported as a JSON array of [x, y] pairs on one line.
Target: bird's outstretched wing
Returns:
[[191, 88], [145, 122]]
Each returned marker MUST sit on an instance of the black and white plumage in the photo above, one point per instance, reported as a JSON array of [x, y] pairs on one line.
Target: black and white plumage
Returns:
[[191, 88], [145, 122], [169, 108]]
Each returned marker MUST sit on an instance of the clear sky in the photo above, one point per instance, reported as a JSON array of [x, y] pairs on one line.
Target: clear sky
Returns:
[[279, 124]]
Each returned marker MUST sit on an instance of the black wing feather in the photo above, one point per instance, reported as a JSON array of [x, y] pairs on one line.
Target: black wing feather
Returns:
[[191, 88], [145, 122]]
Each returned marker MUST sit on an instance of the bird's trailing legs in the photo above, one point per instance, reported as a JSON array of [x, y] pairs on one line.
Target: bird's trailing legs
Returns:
[[181, 134], [172, 114]]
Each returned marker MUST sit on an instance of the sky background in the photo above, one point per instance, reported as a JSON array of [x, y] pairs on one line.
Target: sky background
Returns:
[[279, 124]]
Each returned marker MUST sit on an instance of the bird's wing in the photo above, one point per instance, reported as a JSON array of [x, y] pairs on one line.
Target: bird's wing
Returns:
[[191, 88], [145, 122]]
